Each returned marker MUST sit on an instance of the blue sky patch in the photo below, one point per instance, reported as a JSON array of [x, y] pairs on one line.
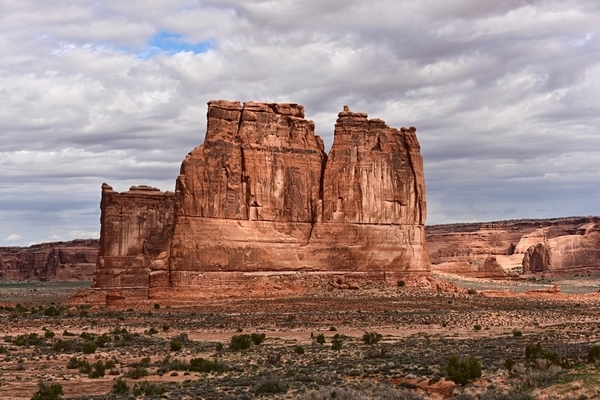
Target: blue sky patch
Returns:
[[172, 43]]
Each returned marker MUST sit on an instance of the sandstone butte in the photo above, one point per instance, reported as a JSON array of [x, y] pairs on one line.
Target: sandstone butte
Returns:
[[259, 209]]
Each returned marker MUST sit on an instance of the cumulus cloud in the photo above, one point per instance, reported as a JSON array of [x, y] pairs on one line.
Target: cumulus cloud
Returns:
[[504, 95], [12, 237]]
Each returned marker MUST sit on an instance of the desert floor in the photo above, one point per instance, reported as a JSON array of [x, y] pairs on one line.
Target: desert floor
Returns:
[[148, 348]]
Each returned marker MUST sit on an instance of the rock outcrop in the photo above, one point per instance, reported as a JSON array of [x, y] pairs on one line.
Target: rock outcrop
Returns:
[[560, 245], [261, 198], [579, 251], [64, 261]]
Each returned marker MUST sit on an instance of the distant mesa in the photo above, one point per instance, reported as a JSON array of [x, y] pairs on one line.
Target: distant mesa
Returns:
[[260, 210]]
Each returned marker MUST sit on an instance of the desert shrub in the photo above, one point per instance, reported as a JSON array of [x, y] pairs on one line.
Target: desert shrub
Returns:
[[517, 333], [28, 339], [53, 391], [299, 350], [61, 346], [137, 373], [146, 388], [120, 386], [175, 345], [52, 311], [509, 364], [98, 370], [270, 386], [240, 342], [320, 338], [274, 358], [544, 374], [336, 344], [463, 371], [258, 338], [371, 337], [202, 365], [144, 362], [594, 354], [536, 351], [102, 340], [89, 348]]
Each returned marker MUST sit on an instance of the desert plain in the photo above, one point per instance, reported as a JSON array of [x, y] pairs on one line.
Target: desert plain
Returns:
[[376, 342]]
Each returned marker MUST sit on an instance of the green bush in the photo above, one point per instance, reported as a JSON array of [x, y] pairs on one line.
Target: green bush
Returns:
[[509, 364], [48, 392], [536, 351], [371, 337], [270, 386], [257, 338], [463, 371], [320, 338], [336, 344], [146, 388], [120, 386], [240, 342], [175, 345], [202, 365], [98, 370], [137, 373], [52, 311], [89, 348], [594, 354]]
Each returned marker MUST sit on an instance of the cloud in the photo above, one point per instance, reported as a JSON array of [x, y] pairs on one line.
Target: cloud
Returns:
[[12, 238], [504, 95]]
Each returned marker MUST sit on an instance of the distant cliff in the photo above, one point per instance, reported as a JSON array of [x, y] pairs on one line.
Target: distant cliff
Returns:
[[73, 260], [503, 248]]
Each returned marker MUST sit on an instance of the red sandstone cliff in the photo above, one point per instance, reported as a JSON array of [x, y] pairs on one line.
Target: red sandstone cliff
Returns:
[[504, 248], [261, 197], [73, 260]]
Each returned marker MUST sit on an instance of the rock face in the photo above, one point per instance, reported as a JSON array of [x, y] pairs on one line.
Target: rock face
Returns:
[[74, 260], [260, 196], [579, 251], [560, 245], [136, 228]]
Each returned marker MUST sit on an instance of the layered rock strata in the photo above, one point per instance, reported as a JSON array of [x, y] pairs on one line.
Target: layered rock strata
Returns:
[[510, 248], [261, 197], [65, 261]]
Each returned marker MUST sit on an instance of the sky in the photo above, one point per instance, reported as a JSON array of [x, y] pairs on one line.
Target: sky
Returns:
[[505, 96]]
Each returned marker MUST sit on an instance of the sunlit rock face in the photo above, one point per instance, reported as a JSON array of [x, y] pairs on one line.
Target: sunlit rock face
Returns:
[[261, 197]]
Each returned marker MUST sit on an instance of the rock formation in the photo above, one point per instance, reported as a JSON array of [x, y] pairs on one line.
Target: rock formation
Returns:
[[510, 248], [74, 260], [578, 251], [261, 197]]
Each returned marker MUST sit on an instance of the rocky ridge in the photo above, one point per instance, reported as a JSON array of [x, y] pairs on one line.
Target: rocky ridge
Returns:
[[261, 198], [61, 261], [510, 248]]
